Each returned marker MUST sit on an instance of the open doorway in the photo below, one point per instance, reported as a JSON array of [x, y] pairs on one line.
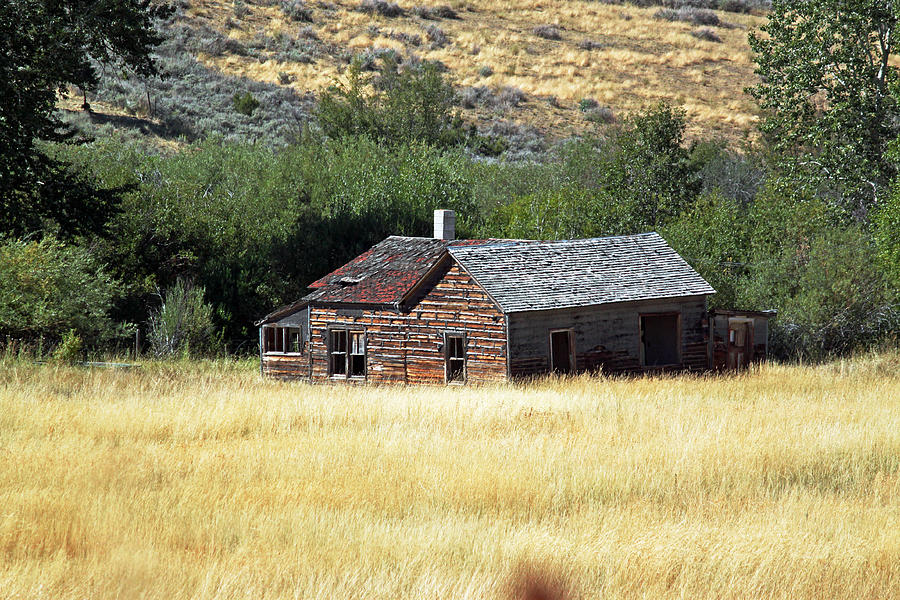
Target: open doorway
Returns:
[[562, 351], [661, 340]]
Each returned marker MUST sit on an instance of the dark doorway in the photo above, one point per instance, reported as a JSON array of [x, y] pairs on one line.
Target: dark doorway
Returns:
[[561, 356], [661, 340]]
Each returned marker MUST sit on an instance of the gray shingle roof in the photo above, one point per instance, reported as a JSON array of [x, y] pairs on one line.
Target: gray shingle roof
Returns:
[[569, 273]]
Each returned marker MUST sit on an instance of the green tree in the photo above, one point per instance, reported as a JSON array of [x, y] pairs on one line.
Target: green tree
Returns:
[[398, 106], [651, 176], [825, 79], [554, 214], [712, 235], [45, 46], [886, 223], [48, 288]]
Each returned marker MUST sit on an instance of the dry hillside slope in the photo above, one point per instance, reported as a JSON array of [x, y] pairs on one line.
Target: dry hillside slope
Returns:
[[621, 56]]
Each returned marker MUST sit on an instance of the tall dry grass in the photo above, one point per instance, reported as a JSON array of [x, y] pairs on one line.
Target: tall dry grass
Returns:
[[205, 481]]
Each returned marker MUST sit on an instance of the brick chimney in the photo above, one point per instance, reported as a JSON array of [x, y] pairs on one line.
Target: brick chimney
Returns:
[[444, 224]]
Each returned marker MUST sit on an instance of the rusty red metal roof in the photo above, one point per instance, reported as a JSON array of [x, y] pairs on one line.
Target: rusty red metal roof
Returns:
[[383, 274]]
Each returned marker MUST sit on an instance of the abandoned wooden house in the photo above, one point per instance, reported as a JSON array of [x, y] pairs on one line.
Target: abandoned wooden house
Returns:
[[440, 310]]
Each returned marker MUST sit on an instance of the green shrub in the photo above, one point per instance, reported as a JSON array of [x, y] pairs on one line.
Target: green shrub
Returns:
[[183, 324], [69, 349], [586, 104], [886, 221], [245, 103], [411, 105]]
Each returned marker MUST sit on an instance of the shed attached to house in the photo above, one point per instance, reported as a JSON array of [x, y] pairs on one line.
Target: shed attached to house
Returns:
[[738, 337], [437, 310]]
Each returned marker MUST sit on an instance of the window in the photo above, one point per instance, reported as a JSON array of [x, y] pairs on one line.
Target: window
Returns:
[[357, 354], [661, 339], [283, 340], [347, 353], [455, 356]]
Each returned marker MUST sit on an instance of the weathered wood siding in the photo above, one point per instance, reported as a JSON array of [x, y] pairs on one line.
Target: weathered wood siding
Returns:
[[284, 365], [407, 346], [606, 336]]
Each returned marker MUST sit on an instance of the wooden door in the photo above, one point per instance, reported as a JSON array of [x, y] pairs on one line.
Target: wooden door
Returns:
[[740, 343]]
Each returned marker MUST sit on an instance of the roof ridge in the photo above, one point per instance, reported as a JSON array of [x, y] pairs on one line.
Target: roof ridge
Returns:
[[504, 243]]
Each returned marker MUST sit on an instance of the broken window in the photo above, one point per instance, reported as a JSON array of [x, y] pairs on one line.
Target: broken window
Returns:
[[357, 354], [661, 340], [347, 353], [338, 352], [283, 340], [455, 352]]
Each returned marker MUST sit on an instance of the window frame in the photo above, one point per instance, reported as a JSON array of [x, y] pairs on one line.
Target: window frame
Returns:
[[282, 333], [464, 375], [347, 332], [351, 333], [679, 339]]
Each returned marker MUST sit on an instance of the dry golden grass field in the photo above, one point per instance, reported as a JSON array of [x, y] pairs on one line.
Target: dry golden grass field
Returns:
[[202, 480], [639, 60]]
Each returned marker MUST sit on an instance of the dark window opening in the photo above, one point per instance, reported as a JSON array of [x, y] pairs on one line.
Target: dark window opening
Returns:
[[295, 341], [283, 340], [456, 358], [660, 339], [338, 352], [347, 353], [561, 345], [357, 354]]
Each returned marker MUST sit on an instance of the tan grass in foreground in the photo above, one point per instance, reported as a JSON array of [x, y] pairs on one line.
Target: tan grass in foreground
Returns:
[[204, 481]]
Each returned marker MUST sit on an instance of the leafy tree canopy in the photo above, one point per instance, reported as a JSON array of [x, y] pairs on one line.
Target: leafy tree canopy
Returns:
[[48, 288], [45, 46], [399, 105], [825, 85]]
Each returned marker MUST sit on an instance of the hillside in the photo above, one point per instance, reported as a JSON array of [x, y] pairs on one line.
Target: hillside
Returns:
[[525, 70]]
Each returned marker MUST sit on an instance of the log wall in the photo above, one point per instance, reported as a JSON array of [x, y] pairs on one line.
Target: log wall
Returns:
[[407, 346], [286, 366]]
